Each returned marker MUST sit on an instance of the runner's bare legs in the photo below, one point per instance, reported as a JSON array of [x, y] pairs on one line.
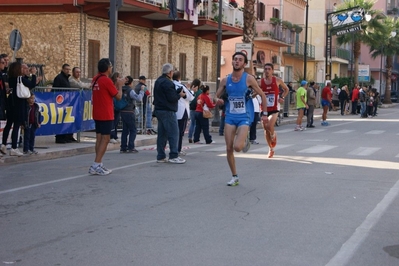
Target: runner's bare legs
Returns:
[[235, 141]]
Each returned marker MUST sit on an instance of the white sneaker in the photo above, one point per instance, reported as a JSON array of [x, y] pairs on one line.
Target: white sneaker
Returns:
[[98, 170], [233, 182], [3, 149], [113, 141], [15, 152], [182, 153], [177, 160]]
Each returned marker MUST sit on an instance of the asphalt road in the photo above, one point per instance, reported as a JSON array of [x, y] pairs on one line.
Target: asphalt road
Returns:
[[328, 197]]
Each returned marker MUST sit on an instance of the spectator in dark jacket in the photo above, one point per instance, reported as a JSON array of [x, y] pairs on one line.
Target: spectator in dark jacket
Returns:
[[166, 99], [62, 81]]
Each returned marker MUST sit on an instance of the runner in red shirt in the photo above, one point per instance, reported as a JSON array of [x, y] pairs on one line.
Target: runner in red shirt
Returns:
[[270, 86], [103, 111]]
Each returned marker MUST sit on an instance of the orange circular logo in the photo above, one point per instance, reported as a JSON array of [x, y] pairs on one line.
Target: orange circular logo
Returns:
[[59, 99]]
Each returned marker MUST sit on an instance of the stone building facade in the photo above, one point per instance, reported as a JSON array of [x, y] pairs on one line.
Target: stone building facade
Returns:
[[52, 39]]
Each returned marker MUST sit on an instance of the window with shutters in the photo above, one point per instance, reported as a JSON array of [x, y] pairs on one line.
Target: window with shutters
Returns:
[[260, 11], [204, 68], [182, 66], [135, 62], [93, 58]]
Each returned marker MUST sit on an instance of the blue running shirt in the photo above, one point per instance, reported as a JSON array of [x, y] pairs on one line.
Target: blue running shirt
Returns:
[[239, 105]]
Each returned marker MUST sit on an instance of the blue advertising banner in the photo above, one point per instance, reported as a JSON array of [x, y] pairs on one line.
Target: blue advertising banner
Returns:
[[64, 112]]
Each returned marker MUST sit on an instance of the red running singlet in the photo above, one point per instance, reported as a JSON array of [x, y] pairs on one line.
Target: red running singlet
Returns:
[[272, 94]]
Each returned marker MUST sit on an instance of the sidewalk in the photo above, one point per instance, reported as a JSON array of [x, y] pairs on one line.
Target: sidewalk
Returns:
[[48, 149]]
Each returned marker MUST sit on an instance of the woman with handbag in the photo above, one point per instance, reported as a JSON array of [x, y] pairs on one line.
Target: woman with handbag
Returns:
[[204, 103], [16, 108]]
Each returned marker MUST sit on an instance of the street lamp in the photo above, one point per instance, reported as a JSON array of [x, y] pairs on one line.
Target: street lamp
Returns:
[[393, 34], [305, 54]]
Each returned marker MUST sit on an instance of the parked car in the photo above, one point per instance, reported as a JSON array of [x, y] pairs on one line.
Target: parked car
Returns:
[[394, 97]]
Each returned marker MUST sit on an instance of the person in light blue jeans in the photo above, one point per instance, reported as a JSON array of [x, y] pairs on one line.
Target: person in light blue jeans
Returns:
[[195, 89]]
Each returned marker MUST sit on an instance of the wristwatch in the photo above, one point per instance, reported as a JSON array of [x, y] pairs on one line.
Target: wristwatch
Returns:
[[264, 113]]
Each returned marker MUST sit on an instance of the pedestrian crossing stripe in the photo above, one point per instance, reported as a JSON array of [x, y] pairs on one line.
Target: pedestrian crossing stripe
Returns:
[[364, 151], [317, 149], [344, 131], [375, 132]]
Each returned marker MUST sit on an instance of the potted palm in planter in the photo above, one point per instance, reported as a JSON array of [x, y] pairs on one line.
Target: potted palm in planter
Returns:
[[286, 24], [275, 21]]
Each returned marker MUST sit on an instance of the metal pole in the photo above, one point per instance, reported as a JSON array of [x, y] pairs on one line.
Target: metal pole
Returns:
[[216, 118], [113, 29], [326, 51], [382, 49], [305, 56]]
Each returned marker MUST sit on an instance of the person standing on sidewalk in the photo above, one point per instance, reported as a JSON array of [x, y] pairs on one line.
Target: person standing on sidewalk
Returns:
[[128, 117], [16, 107], [301, 104], [196, 91], [311, 100], [104, 91], [270, 86], [239, 110], [355, 99], [165, 107], [62, 81], [326, 102], [182, 107]]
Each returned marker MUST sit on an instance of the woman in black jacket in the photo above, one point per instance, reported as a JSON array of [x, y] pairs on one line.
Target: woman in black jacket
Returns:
[[343, 98], [16, 107]]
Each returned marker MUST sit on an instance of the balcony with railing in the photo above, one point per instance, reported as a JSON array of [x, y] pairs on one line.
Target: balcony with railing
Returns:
[[298, 50], [341, 53], [275, 34]]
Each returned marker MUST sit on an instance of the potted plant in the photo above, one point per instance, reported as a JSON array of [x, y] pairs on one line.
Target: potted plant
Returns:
[[286, 24], [298, 29], [275, 21], [265, 33]]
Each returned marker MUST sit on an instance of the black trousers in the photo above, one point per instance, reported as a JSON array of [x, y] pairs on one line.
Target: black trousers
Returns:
[[252, 129], [182, 123]]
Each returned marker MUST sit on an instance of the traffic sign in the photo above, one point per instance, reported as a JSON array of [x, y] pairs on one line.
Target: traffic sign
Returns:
[[15, 40]]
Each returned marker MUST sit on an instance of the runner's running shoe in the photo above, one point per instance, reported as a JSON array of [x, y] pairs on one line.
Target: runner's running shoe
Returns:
[[233, 182]]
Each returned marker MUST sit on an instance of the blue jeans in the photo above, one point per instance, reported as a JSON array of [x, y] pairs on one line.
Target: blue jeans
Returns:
[[148, 116], [29, 137], [192, 124], [168, 131], [129, 128], [362, 108], [201, 123]]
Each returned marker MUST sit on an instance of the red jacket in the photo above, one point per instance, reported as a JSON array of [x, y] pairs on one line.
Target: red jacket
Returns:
[[204, 98]]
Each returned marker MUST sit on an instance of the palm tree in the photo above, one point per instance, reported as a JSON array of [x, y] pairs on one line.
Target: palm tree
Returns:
[[249, 27], [358, 37], [385, 41]]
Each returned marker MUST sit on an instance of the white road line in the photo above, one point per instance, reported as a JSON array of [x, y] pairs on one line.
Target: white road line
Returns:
[[217, 148], [285, 130], [364, 151], [344, 131], [317, 149], [314, 131], [349, 248], [265, 149], [375, 132], [67, 178]]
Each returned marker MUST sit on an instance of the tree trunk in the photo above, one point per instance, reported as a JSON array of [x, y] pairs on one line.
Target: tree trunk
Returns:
[[356, 56], [387, 98], [249, 29]]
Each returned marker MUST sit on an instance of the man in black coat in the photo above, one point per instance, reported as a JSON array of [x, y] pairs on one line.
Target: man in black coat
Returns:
[[62, 81]]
